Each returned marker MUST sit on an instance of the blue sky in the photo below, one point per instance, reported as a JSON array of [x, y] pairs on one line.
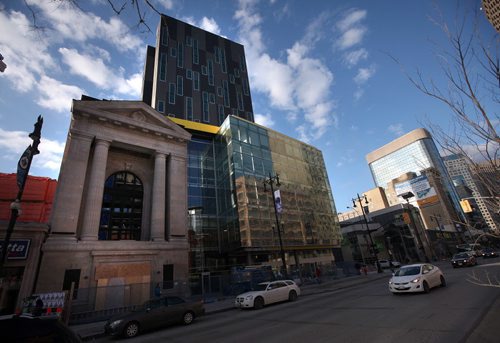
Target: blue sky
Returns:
[[320, 71]]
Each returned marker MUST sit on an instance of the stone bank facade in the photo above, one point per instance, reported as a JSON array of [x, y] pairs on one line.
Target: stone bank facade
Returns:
[[119, 216]]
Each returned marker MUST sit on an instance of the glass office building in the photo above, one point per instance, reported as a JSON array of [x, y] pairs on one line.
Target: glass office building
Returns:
[[232, 214], [413, 152]]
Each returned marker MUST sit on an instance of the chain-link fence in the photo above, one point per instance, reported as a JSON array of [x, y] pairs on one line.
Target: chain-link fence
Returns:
[[100, 303]]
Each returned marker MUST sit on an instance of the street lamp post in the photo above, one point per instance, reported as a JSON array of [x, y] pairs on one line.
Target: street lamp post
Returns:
[[407, 196], [271, 180], [372, 246], [23, 168], [440, 228]]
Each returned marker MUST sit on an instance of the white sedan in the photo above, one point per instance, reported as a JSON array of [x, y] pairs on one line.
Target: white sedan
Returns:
[[416, 278], [268, 293]]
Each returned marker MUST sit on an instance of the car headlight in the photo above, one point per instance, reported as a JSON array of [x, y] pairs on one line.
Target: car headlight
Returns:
[[390, 282], [415, 280], [249, 297], [115, 323]]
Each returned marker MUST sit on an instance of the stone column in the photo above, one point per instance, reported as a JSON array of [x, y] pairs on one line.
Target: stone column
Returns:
[[158, 200], [93, 203], [177, 197], [69, 191]]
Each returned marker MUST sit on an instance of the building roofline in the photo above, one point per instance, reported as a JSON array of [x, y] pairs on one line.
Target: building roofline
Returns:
[[198, 28], [397, 144]]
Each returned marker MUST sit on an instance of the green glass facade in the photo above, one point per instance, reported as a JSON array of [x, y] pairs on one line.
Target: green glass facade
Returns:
[[226, 189]]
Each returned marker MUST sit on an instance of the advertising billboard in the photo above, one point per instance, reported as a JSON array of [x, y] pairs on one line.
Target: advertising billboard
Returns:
[[420, 187]]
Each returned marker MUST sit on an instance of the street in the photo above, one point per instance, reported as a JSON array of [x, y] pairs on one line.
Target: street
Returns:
[[364, 313]]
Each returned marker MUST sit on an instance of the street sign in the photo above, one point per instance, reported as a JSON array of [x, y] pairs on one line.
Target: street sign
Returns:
[[17, 249]]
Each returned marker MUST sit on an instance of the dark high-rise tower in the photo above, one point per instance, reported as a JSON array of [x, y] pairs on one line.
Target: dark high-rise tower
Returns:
[[196, 75]]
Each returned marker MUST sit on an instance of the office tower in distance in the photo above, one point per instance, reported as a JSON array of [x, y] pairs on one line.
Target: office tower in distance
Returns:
[[460, 172], [491, 9], [196, 75], [412, 162]]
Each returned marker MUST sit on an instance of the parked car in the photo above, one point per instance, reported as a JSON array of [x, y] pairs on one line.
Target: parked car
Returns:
[[268, 293], [154, 314], [25, 328], [416, 278], [489, 252], [388, 264], [463, 259]]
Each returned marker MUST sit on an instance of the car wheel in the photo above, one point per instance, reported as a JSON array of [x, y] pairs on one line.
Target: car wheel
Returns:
[[258, 303], [187, 318], [443, 281], [292, 296], [131, 330], [426, 287]]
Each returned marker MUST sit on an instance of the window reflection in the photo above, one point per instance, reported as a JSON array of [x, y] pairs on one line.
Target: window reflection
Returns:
[[121, 213]]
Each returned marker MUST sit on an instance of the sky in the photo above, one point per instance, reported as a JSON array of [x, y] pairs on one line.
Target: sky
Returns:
[[332, 74]]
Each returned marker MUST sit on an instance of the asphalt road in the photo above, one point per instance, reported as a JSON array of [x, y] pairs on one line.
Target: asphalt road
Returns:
[[364, 313]]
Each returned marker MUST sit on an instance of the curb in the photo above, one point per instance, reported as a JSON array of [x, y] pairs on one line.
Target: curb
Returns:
[[327, 287]]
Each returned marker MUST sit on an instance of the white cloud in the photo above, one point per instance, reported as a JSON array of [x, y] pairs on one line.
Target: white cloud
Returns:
[[351, 37], [25, 52], [352, 18], [283, 12], [210, 25], [73, 24], [351, 30], [56, 95], [264, 120], [358, 94], [352, 58], [301, 84], [96, 71], [207, 24], [364, 74], [167, 4], [13, 143], [273, 78], [397, 129]]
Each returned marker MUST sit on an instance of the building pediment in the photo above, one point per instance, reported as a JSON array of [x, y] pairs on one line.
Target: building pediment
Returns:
[[130, 114]]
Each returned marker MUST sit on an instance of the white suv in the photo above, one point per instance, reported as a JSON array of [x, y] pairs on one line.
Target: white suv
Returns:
[[267, 293]]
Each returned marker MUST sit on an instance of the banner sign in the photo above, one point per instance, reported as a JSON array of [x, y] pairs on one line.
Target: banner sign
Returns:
[[277, 198], [17, 249], [22, 167], [420, 187]]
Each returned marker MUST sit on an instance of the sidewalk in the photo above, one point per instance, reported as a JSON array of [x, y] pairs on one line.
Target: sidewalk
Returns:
[[95, 330]]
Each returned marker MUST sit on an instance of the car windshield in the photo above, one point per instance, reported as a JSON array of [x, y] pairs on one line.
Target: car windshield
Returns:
[[463, 255], [261, 287], [408, 271]]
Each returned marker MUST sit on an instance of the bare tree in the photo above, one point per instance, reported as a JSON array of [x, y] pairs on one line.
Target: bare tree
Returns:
[[141, 9], [471, 68]]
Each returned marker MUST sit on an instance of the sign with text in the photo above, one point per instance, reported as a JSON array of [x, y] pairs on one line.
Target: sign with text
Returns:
[[420, 187], [17, 249]]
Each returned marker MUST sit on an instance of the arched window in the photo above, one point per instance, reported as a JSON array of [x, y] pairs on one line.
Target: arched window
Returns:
[[121, 213]]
